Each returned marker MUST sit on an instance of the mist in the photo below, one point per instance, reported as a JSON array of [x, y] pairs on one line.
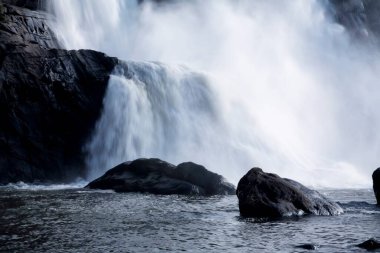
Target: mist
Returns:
[[268, 83]]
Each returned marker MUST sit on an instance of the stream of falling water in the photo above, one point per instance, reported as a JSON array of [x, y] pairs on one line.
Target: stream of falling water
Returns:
[[268, 83]]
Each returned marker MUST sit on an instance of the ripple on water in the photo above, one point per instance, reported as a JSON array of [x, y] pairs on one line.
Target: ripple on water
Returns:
[[76, 220]]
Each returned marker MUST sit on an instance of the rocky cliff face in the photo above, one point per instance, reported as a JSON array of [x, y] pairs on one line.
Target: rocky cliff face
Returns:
[[50, 99], [360, 17], [29, 4], [20, 27]]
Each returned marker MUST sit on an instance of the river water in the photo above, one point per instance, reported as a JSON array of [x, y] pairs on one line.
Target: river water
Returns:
[[79, 220]]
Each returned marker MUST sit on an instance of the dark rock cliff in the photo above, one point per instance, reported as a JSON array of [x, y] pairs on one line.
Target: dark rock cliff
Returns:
[[50, 99], [29, 4], [25, 29], [359, 17]]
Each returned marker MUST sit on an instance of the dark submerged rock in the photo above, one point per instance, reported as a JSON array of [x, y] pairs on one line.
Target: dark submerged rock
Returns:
[[308, 246], [50, 99], [268, 195], [370, 244], [159, 177], [376, 184]]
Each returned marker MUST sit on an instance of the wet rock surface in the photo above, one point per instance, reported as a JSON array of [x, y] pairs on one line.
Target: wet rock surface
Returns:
[[370, 244], [50, 99], [21, 28], [307, 246], [268, 195], [376, 184], [159, 177], [28, 4], [359, 17]]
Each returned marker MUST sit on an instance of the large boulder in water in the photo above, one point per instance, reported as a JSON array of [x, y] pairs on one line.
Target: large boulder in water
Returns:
[[370, 244], [268, 195], [159, 177], [376, 184]]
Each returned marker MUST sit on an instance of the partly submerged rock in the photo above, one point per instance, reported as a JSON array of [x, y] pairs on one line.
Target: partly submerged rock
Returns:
[[268, 195], [308, 246], [370, 244], [376, 184], [159, 177]]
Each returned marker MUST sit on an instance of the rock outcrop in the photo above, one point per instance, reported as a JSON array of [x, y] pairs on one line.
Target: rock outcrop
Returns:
[[359, 17], [268, 195], [376, 184], [159, 177], [29, 4], [21, 28], [50, 99]]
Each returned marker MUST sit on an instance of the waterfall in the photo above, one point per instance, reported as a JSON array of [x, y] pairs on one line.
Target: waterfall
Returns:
[[162, 111], [270, 83]]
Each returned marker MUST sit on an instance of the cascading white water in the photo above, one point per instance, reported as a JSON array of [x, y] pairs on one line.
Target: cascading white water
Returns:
[[283, 87], [160, 111]]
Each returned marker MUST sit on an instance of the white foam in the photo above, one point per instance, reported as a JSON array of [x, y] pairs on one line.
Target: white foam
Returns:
[[44, 187]]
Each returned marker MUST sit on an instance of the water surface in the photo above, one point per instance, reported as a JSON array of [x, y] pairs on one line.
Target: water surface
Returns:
[[77, 220]]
